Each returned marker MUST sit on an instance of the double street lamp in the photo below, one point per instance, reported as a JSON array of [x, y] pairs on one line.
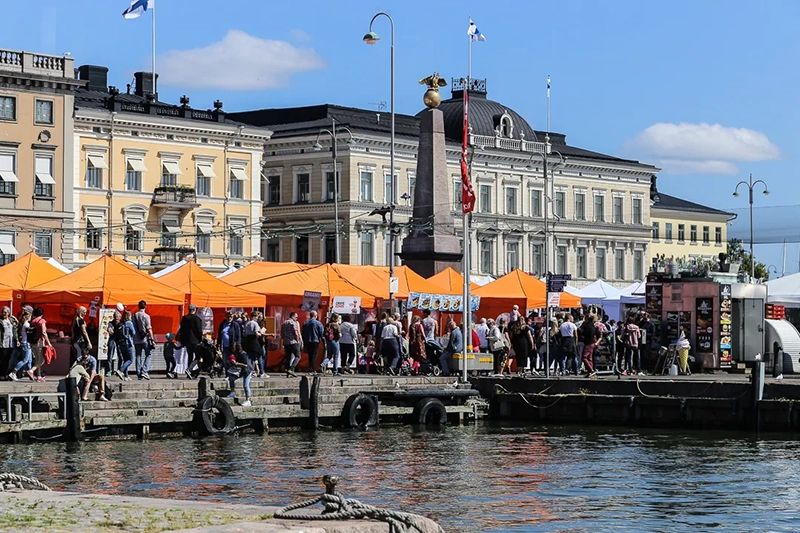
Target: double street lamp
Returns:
[[371, 38], [751, 185], [333, 133]]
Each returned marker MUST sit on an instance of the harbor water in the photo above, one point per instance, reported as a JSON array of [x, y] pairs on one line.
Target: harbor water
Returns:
[[486, 477]]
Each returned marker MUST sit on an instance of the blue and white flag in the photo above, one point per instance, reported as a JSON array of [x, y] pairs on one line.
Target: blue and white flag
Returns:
[[137, 8], [548, 85], [474, 33]]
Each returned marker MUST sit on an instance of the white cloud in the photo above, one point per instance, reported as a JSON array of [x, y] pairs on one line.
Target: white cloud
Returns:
[[300, 36], [703, 148], [239, 62]]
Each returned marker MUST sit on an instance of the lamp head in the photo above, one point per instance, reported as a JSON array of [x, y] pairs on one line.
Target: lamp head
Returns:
[[317, 147], [736, 193], [371, 38], [766, 191]]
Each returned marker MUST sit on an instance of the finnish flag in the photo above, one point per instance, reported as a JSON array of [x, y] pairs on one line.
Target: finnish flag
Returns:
[[474, 33], [137, 8]]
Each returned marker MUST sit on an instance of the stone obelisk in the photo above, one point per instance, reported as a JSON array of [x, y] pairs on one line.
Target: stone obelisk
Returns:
[[432, 244]]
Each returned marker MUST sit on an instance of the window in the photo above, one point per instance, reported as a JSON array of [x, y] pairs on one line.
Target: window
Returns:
[[366, 248], [238, 229], [536, 203], [506, 127], [486, 256], [600, 263], [43, 112], [134, 235], [718, 236], [456, 196], [485, 202], [8, 252], [169, 173], [8, 108], [94, 232], [637, 211], [301, 250], [44, 177], [202, 238], [390, 190], [329, 247], [561, 260], [412, 189], [8, 176], [668, 232], [133, 176], [273, 251], [619, 263], [169, 233], [203, 182], [95, 164], [264, 191], [561, 207], [599, 208], [580, 206], [512, 256], [618, 207], [511, 200], [332, 187], [274, 197], [365, 187], [43, 242], [237, 189], [706, 234], [655, 231], [638, 265], [580, 263], [303, 188], [693, 234], [537, 259], [681, 232]]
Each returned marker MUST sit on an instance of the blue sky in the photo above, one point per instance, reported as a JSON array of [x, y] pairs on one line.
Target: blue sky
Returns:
[[706, 89]]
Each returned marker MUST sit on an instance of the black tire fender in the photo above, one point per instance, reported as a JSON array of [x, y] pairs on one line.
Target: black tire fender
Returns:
[[429, 411], [216, 416], [360, 412]]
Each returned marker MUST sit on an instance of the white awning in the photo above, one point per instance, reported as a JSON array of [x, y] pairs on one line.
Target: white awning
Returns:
[[238, 174], [97, 161], [7, 245], [171, 167], [171, 227], [8, 176], [240, 231], [137, 225], [45, 178], [205, 227], [137, 165], [95, 221], [206, 170]]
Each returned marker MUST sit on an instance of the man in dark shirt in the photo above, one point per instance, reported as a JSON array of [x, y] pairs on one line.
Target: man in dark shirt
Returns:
[[190, 334], [313, 333], [588, 333]]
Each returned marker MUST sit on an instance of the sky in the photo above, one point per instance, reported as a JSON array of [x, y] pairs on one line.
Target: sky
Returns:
[[705, 90]]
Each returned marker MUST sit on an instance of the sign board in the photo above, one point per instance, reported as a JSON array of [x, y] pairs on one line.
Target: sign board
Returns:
[[106, 316], [557, 282], [311, 301], [207, 316], [271, 325], [441, 302], [554, 300], [346, 305], [725, 359], [394, 285]]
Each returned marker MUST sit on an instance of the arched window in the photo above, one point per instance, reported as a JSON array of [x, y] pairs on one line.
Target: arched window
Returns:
[[506, 126]]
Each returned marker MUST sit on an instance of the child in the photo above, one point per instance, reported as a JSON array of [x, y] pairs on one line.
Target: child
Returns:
[[238, 368], [169, 356], [371, 357]]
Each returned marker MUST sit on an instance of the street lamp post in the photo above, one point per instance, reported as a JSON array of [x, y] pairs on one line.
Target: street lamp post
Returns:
[[371, 38], [333, 132], [750, 187]]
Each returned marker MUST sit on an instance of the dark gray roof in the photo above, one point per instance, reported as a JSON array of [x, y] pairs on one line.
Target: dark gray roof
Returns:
[[673, 203], [484, 116]]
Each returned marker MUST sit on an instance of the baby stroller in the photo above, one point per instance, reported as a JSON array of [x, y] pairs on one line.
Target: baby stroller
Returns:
[[430, 365], [207, 360]]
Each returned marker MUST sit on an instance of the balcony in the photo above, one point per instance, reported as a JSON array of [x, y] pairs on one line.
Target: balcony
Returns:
[[36, 64], [180, 197], [169, 255]]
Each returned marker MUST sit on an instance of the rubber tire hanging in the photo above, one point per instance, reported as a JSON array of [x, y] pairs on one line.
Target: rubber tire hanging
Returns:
[[429, 412], [360, 412], [211, 422]]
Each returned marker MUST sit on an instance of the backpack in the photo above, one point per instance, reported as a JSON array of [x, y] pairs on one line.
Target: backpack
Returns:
[[329, 333]]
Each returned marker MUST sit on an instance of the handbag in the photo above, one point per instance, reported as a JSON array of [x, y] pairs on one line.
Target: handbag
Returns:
[[497, 344]]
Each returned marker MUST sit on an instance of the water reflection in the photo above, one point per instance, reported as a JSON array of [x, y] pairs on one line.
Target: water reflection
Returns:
[[477, 478]]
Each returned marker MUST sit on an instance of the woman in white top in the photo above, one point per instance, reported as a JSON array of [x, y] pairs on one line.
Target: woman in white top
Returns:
[[347, 343], [390, 347]]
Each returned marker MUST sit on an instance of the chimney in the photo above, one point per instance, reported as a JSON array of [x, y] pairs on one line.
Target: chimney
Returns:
[[144, 84], [653, 187], [97, 77]]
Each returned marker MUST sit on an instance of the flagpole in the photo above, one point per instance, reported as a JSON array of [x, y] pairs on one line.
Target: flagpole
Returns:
[[155, 81], [546, 243], [465, 225]]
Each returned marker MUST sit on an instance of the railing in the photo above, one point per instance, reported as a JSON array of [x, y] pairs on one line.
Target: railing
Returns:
[[517, 145], [39, 64], [171, 195]]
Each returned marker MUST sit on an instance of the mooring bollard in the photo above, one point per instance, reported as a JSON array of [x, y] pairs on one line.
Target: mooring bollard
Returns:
[[73, 410]]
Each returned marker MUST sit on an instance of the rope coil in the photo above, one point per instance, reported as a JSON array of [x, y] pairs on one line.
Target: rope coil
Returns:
[[9, 481]]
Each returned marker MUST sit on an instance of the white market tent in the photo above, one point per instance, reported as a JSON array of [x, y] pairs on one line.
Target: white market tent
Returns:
[[229, 270], [634, 294], [595, 293], [613, 304], [58, 265], [784, 291], [169, 269]]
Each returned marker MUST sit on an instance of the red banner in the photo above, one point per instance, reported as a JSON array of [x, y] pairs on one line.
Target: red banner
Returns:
[[467, 192]]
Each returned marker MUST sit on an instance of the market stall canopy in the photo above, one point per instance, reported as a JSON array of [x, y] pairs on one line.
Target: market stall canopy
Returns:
[[29, 271], [596, 292], [107, 281], [633, 294], [782, 291], [58, 265], [171, 268], [452, 281], [481, 280], [6, 293], [287, 289], [375, 280], [204, 290], [520, 288], [230, 270], [262, 270]]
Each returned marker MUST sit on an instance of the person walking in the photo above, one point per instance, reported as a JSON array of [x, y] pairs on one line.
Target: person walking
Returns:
[[9, 340], [80, 337], [589, 336], [143, 341], [416, 343], [24, 358], [238, 366], [521, 341], [482, 330], [250, 344], [390, 345], [38, 339], [124, 336], [312, 334], [455, 344], [228, 334], [569, 333], [497, 345], [429, 325], [632, 338], [333, 334], [292, 343], [190, 335], [348, 343]]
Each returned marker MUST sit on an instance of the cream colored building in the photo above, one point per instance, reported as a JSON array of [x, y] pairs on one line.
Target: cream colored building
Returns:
[[683, 229], [36, 139], [156, 182]]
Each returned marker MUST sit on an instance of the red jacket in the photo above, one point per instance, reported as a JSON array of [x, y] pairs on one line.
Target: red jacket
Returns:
[[476, 341]]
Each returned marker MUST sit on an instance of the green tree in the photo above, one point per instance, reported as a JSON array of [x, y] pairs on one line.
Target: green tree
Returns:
[[737, 254]]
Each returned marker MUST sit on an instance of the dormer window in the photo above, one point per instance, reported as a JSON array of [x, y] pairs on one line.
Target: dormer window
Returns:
[[506, 126]]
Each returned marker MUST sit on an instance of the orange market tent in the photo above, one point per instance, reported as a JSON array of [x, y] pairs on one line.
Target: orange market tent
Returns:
[[375, 280], [204, 290], [287, 289], [107, 280], [451, 281], [518, 288], [6, 293], [261, 270], [28, 271]]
